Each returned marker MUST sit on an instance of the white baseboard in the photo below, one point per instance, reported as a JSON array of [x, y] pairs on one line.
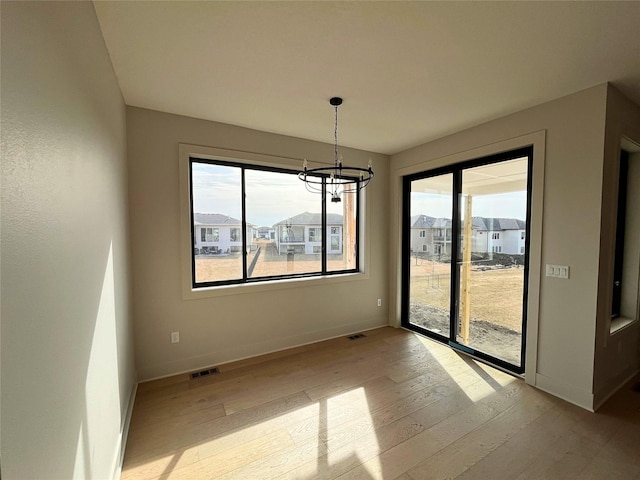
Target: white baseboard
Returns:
[[243, 352], [612, 391], [569, 393], [124, 433]]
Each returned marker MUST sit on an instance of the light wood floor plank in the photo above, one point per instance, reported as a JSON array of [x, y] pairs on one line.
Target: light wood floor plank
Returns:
[[391, 405]]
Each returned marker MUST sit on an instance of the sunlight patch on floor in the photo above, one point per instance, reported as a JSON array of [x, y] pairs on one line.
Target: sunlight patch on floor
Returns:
[[344, 440], [476, 379]]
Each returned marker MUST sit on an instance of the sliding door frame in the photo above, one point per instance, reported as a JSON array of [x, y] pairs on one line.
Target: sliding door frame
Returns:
[[456, 169]]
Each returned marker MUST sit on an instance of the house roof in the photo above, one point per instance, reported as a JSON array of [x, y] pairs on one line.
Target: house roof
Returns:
[[425, 221], [478, 223], [494, 224], [214, 219], [442, 223], [308, 218], [422, 221]]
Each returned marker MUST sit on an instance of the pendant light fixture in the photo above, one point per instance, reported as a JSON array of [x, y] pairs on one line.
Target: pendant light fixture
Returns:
[[338, 178]]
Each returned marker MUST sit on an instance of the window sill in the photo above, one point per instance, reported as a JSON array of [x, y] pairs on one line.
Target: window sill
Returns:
[[620, 323], [284, 284]]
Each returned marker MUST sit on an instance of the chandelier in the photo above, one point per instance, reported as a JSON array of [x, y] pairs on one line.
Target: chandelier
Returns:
[[338, 178]]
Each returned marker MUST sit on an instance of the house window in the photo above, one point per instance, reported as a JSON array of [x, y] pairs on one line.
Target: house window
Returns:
[[495, 236], [496, 249], [243, 197], [423, 233], [315, 235], [424, 248], [209, 234], [521, 235], [521, 250]]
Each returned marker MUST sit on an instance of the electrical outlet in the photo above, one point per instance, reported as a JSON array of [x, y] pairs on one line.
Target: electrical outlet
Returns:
[[379, 302], [175, 337]]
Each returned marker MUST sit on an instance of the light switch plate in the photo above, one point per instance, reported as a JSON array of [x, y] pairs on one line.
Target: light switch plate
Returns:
[[557, 271]]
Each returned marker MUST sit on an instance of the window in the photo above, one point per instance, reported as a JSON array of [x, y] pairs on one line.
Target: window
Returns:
[[315, 235], [241, 198], [522, 235], [424, 248], [496, 249], [521, 250], [495, 236], [208, 234], [423, 233], [626, 253]]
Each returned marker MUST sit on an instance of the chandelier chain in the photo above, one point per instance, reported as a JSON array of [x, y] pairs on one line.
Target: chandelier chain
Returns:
[[336, 179], [335, 137]]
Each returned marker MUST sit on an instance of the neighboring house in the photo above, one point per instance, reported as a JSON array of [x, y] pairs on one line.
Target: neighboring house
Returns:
[[498, 235], [303, 234], [216, 233], [266, 232], [432, 236]]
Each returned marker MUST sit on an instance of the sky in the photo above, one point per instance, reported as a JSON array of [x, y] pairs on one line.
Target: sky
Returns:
[[505, 205], [273, 197]]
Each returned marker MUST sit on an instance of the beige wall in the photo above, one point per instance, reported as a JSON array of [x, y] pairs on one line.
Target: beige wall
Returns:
[[573, 127], [67, 350], [617, 355], [240, 321]]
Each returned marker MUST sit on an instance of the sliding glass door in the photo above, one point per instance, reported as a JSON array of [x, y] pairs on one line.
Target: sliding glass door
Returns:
[[465, 255], [429, 288]]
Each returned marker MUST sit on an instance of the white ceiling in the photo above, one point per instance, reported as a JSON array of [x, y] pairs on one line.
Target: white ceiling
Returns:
[[409, 72]]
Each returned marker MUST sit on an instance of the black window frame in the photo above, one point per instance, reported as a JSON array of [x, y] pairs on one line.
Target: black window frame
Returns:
[[618, 257], [245, 279]]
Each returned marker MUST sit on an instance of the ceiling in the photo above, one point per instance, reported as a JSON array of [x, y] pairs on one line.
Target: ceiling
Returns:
[[409, 72]]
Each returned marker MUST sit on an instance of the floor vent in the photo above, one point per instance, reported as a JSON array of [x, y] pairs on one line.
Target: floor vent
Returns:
[[204, 373], [356, 336]]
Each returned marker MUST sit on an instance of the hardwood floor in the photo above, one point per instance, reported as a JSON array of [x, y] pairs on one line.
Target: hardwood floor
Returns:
[[390, 405]]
